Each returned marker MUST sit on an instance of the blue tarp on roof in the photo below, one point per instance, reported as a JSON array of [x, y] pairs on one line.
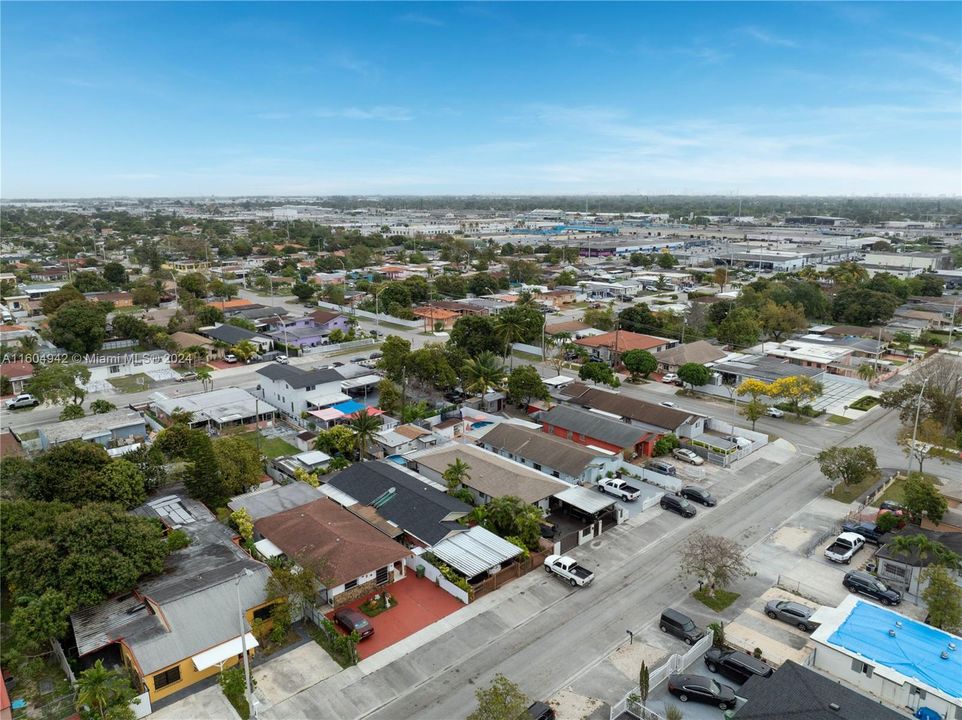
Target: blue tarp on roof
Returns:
[[915, 650], [349, 407]]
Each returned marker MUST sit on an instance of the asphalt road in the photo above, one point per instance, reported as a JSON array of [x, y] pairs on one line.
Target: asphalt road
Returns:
[[544, 643]]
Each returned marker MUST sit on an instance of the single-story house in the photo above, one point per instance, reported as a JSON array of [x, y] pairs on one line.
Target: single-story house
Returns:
[[180, 627], [18, 373], [352, 557], [591, 428], [233, 335], [404, 438], [329, 320], [432, 316], [701, 352], [117, 429], [262, 503], [648, 415], [284, 469], [422, 510], [476, 553], [797, 692], [550, 454], [489, 475], [904, 570], [219, 408], [611, 346], [185, 340]]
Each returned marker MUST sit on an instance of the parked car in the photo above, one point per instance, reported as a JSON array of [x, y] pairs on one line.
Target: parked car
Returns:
[[863, 583], [891, 506], [844, 548], [358, 360], [660, 466], [669, 377], [689, 456], [353, 620], [699, 495], [792, 613], [735, 665], [568, 569], [540, 711], [230, 357], [282, 359], [867, 530], [375, 356], [187, 377], [699, 688], [667, 403], [22, 400], [775, 412], [681, 626], [617, 486], [678, 505]]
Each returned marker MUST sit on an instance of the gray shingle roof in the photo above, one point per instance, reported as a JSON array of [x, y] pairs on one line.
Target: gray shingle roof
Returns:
[[796, 692], [417, 508], [594, 426], [229, 333], [298, 378]]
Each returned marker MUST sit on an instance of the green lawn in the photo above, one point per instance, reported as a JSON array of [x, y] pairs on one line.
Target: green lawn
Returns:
[[839, 420], [717, 602], [132, 383], [894, 491], [271, 447], [866, 402], [849, 493]]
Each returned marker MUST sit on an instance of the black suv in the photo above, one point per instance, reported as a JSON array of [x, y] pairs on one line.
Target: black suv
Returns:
[[681, 626], [735, 665], [868, 531], [678, 505], [698, 495], [865, 584]]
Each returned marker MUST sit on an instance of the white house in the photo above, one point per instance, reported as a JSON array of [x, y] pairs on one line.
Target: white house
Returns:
[[294, 390], [902, 662]]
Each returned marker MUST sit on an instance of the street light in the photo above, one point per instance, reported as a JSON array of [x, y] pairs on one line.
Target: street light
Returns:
[[915, 429], [287, 348], [243, 635]]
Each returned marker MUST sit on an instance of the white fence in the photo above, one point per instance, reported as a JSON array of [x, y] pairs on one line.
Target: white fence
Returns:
[[414, 324], [529, 349], [141, 705], [666, 482], [674, 664], [349, 345], [435, 576]]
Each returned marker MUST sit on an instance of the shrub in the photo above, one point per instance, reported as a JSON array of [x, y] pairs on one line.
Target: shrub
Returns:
[[666, 444], [718, 636], [177, 540]]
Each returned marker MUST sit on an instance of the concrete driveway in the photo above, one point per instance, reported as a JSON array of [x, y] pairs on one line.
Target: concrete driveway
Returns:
[[288, 674], [209, 704]]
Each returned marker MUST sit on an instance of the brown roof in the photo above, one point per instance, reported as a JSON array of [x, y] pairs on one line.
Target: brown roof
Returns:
[[434, 313], [9, 447], [15, 370], [542, 448], [325, 316], [645, 412], [185, 340], [700, 352], [571, 326], [625, 341], [323, 532], [412, 432], [231, 304]]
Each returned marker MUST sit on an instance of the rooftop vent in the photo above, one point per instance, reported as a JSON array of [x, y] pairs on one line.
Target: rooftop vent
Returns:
[[944, 655], [898, 623], [952, 646], [834, 706], [891, 632]]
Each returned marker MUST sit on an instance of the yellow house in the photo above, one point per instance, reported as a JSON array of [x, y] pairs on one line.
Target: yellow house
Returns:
[[184, 625]]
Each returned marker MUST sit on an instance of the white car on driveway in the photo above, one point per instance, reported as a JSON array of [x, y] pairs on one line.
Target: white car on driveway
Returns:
[[669, 377]]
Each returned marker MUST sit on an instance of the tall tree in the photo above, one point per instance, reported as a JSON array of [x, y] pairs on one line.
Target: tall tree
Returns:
[[365, 427], [943, 599], [694, 374], [778, 320], [598, 372], [640, 363], [739, 329], [919, 444], [923, 499], [525, 384], [715, 561], [483, 373], [502, 700], [395, 351], [796, 390], [107, 692], [848, 465], [79, 326]]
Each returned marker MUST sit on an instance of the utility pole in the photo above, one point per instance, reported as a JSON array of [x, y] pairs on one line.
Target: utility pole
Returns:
[[243, 636], [915, 429]]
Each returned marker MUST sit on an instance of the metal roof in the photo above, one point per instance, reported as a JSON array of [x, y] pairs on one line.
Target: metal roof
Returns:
[[585, 499], [475, 552]]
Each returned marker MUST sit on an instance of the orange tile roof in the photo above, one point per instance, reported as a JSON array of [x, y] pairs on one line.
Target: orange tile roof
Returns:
[[625, 340], [16, 370], [230, 304], [434, 313]]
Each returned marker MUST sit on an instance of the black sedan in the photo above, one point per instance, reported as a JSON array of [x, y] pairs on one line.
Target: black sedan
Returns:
[[699, 688], [352, 620], [698, 495]]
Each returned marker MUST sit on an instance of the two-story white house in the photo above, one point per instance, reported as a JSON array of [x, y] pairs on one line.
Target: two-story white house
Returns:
[[293, 390]]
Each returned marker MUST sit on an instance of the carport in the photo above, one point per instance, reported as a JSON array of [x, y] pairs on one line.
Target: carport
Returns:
[[584, 514]]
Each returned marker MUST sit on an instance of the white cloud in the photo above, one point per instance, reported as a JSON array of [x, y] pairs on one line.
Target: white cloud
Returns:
[[766, 37], [420, 19], [391, 113]]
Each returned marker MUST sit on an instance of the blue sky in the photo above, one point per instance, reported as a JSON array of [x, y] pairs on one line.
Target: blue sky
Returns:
[[304, 98]]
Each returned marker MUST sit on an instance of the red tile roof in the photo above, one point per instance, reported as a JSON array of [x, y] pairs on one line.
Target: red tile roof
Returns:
[[15, 370], [625, 341]]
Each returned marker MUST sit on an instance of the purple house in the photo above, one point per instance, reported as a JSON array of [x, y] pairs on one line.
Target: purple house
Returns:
[[329, 320], [311, 330]]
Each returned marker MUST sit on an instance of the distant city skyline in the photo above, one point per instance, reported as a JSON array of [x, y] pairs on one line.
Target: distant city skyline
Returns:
[[227, 99]]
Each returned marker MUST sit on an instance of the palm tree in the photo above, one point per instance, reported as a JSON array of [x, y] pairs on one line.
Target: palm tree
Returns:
[[925, 549], [509, 332], [483, 373], [365, 426], [193, 354], [456, 473], [244, 350], [28, 344], [99, 688], [867, 372], [206, 378]]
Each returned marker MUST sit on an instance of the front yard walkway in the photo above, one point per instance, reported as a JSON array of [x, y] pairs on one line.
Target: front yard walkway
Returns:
[[420, 603]]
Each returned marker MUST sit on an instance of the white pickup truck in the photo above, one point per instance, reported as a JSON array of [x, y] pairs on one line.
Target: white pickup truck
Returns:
[[567, 568], [617, 486], [844, 547], [21, 401]]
